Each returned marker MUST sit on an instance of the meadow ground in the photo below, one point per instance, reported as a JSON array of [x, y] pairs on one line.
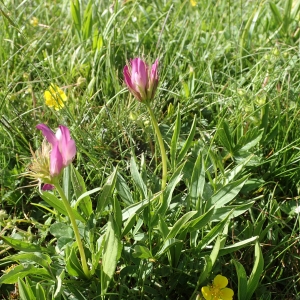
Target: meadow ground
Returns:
[[166, 192]]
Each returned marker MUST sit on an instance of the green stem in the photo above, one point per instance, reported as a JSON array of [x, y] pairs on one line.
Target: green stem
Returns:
[[161, 146], [75, 228]]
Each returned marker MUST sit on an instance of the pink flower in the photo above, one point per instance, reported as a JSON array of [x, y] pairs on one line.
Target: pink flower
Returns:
[[63, 147], [47, 187], [140, 80]]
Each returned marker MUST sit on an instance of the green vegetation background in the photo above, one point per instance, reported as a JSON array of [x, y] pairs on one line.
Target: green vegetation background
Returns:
[[231, 65]]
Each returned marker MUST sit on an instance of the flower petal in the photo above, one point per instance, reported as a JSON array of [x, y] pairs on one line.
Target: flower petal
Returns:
[[67, 146], [139, 73], [47, 187], [127, 77], [47, 133], [131, 87], [153, 82], [206, 292], [220, 281], [227, 294], [56, 160], [54, 97], [154, 71]]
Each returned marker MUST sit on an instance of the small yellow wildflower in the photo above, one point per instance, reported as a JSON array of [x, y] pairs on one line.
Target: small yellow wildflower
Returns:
[[218, 290], [54, 97], [193, 2], [34, 21]]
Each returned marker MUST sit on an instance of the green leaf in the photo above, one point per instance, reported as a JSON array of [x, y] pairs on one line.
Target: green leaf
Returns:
[[137, 178], [96, 253], [221, 213], [88, 20], [40, 258], [187, 145], [75, 13], [199, 222], [66, 185], [142, 252], [295, 10], [215, 251], [228, 192], [97, 40], [237, 246], [233, 173], [175, 137], [166, 246], [176, 177], [61, 229], [59, 206], [85, 195], [20, 272], [265, 120], [110, 22], [84, 202], [206, 270], [245, 41], [287, 15], [211, 235], [225, 136], [25, 290], [23, 246], [179, 225], [256, 271], [12, 23], [117, 214], [73, 264], [137, 207], [107, 191], [123, 190], [276, 13], [242, 280], [175, 252], [163, 227], [128, 224], [249, 140], [40, 292], [111, 254], [197, 182], [63, 242], [59, 284]]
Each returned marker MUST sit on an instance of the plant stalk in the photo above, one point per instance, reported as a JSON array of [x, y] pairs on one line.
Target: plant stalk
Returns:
[[161, 146], [75, 228]]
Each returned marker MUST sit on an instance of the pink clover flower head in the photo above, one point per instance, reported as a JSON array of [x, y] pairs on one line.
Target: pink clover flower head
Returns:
[[141, 79], [63, 147]]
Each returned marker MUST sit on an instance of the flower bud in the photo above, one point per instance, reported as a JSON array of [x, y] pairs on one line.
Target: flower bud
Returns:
[[141, 81]]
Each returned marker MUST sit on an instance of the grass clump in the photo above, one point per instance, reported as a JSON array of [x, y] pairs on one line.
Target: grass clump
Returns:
[[227, 110]]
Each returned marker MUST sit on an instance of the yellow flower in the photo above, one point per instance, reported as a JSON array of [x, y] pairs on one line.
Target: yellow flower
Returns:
[[54, 97], [218, 290], [34, 21], [193, 2]]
